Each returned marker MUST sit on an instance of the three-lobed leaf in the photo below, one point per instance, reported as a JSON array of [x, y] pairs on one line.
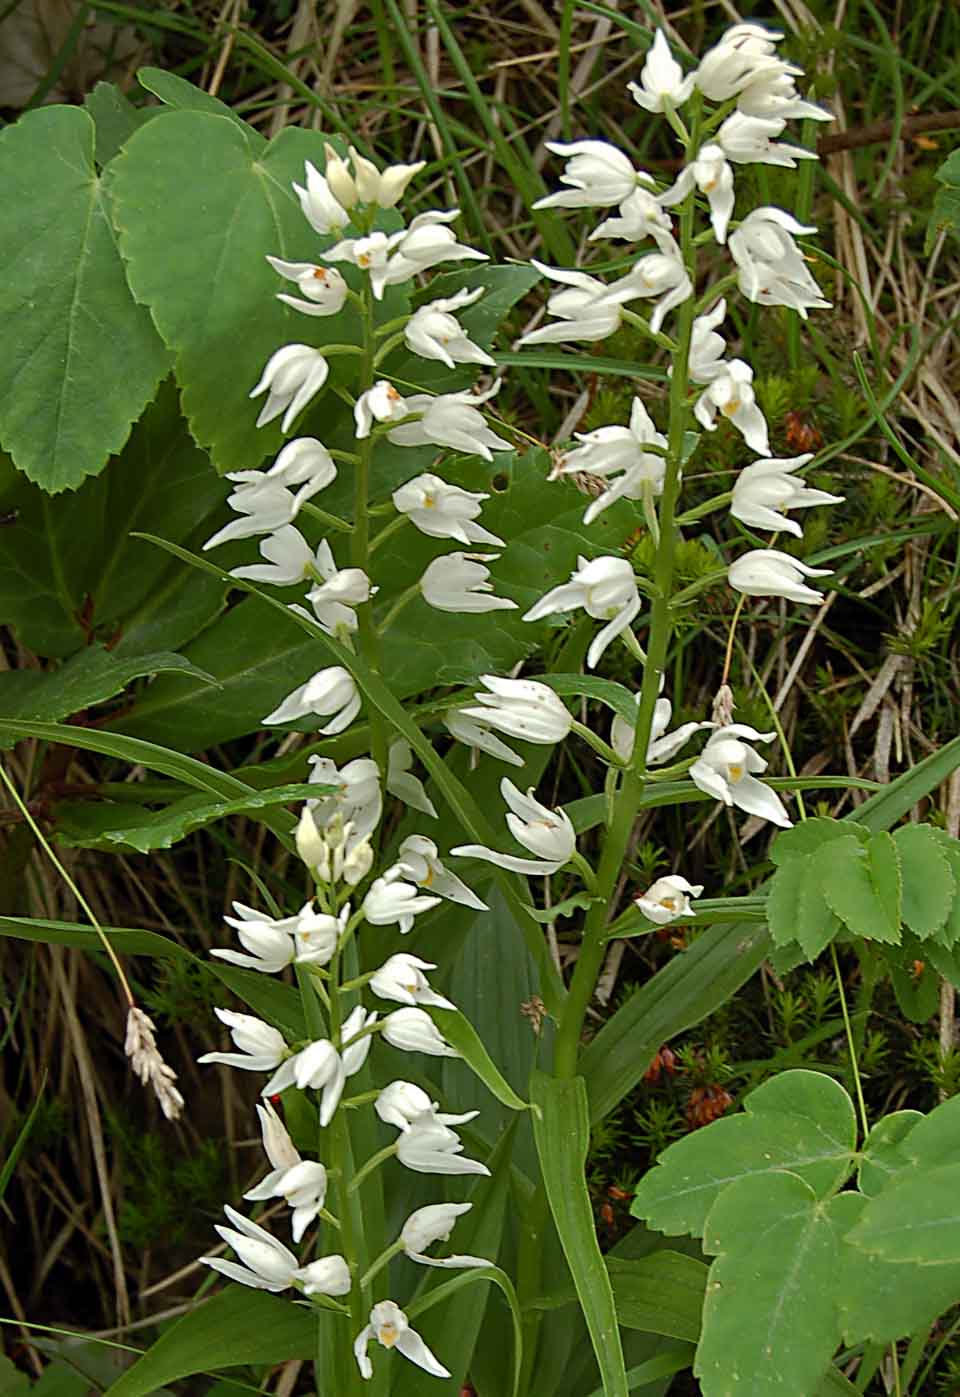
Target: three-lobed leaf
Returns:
[[81, 358], [800, 1121]]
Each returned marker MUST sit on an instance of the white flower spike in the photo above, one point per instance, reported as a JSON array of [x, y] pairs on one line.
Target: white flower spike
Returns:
[[470, 732], [451, 420], [726, 770], [319, 204], [304, 461], [330, 691], [661, 79], [261, 1047], [546, 833], [667, 899], [620, 452], [289, 556], [771, 268], [731, 394], [318, 1066], [767, 572], [357, 801], [302, 1183], [428, 1146], [402, 1103], [443, 511], [713, 176], [434, 333], [381, 403], [389, 1326], [458, 582], [707, 348], [293, 376], [588, 309], [606, 589], [768, 487], [268, 940], [268, 1264], [521, 708]]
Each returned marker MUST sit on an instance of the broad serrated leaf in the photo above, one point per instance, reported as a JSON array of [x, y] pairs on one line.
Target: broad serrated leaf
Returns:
[[69, 575], [883, 1153], [949, 933], [237, 1326], [843, 866], [88, 678], [783, 900], [929, 887], [111, 825], [882, 1301], [916, 1218], [817, 924], [800, 1120], [196, 253], [770, 1320], [115, 118], [562, 1131], [81, 358], [808, 836]]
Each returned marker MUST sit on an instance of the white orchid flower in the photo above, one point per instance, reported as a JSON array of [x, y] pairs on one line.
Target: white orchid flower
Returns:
[[667, 899], [771, 268], [401, 782], [767, 572], [620, 452], [317, 934], [731, 394], [661, 79], [726, 769], [443, 511], [289, 556], [597, 173], [707, 348], [341, 590], [390, 901], [264, 505], [768, 487], [660, 274], [400, 1104], [381, 403], [389, 1326], [774, 95], [418, 861], [745, 54], [413, 1031], [752, 140], [396, 258], [712, 175], [401, 978], [317, 1066], [319, 204], [428, 1146], [323, 288], [339, 179], [606, 589], [261, 1046], [473, 735], [329, 691], [386, 188], [356, 1038], [269, 1265], [302, 1183], [588, 309], [639, 216], [328, 1275], [293, 376], [546, 833], [458, 582], [521, 708], [269, 940], [662, 745], [304, 461], [452, 420], [432, 332], [357, 800], [434, 1223]]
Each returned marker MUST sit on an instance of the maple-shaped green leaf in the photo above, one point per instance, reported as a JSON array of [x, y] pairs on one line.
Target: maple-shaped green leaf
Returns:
[[883, 1152], [800, 1120], [929, 887], [81, 359], [915, 1218], [770, 1320]]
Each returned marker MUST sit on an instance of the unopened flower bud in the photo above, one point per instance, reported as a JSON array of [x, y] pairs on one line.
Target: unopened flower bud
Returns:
[[357, 863], [311, 845], [339, 178]]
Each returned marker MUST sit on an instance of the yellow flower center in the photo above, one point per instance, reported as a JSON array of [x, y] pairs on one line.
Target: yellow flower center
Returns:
[[389, 1334], [363, 259], [670, 903], [735, 772], [731, 407], [320, 273]]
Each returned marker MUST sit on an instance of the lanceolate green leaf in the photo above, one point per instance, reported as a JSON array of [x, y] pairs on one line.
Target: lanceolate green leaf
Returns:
[[66, 313], [461, 1034], [196, 254], [661, 1294], [562, 1131], [237, 1326], [126, 940]]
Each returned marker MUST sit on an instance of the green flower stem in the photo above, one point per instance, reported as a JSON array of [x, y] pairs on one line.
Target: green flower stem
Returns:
[[387, 347], [403, 600], [702, 584], [585, 870], [388, 531], [367, 1169], [664, 341], [382, 1260], [329, 349], [714, 292], [597, 743], [360, 541], [349, 458], [332, 521], [698, 511], [626, 802]]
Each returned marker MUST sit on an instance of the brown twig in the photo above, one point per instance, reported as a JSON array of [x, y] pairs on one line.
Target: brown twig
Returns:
[[876, 132]]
